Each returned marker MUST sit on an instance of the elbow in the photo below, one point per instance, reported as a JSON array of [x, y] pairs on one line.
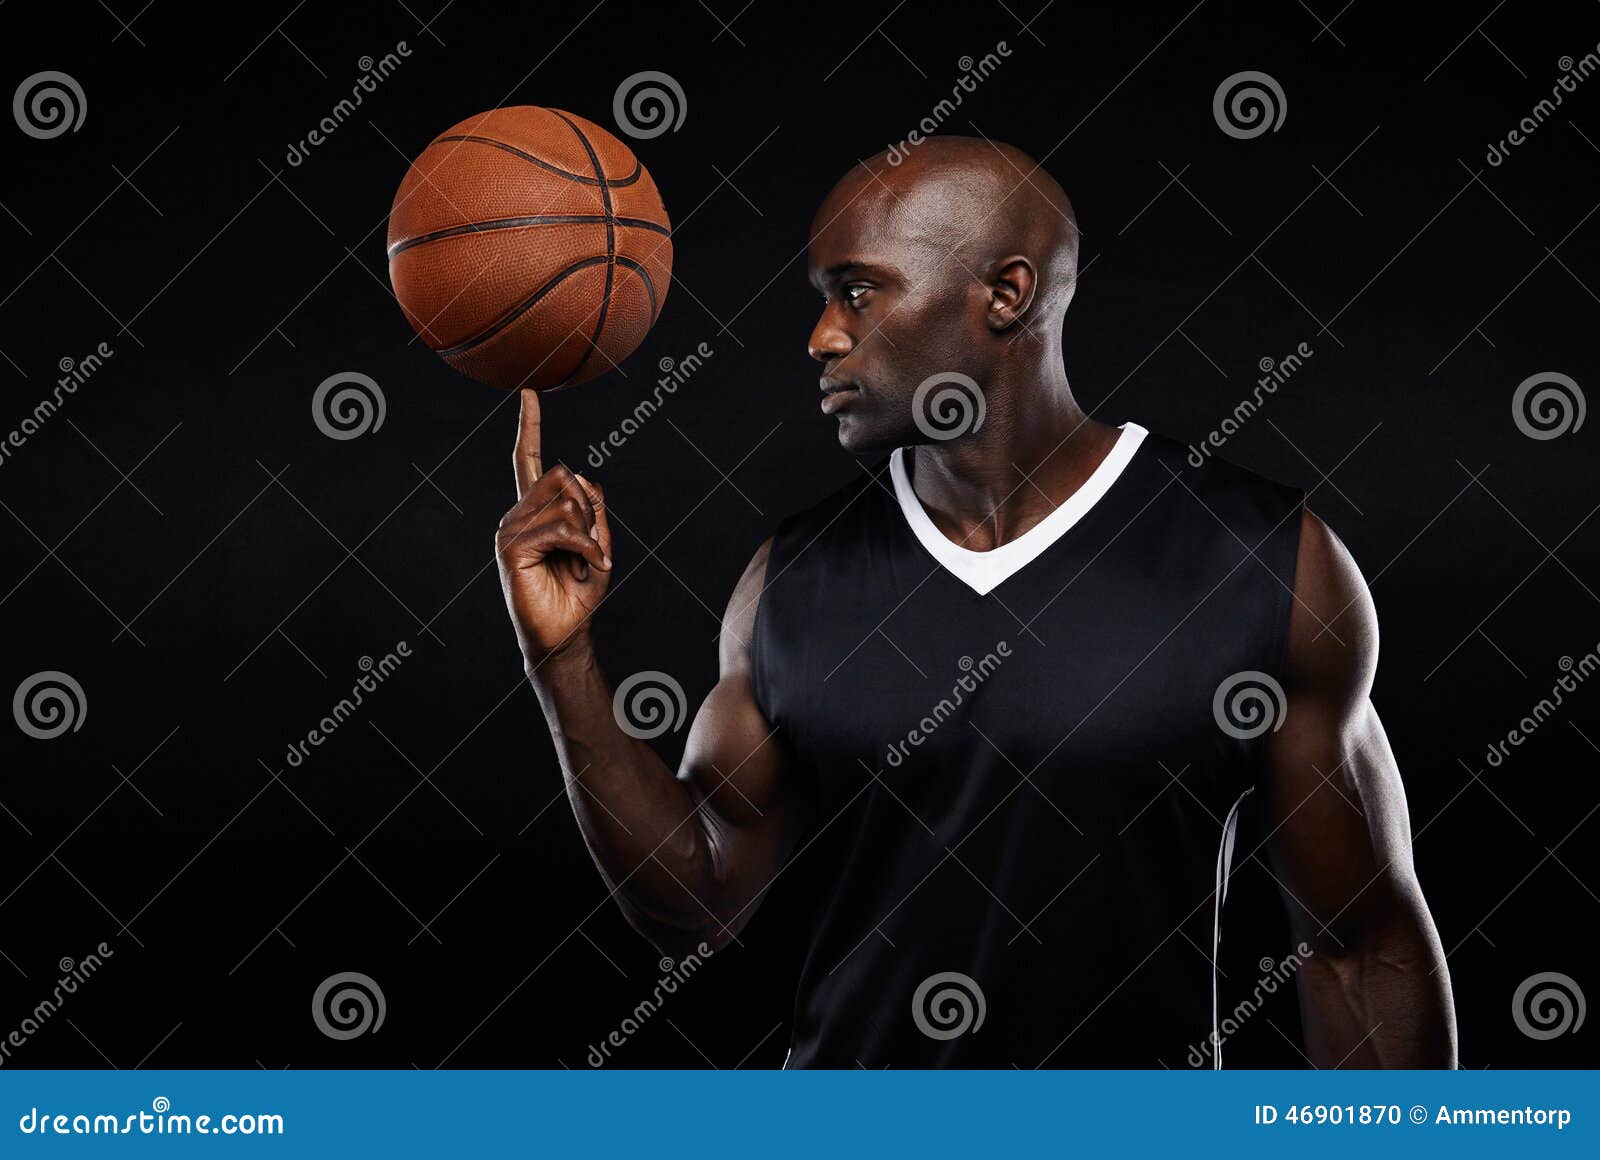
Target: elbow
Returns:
[[1387, 968], [1387, 921], [684, 913]]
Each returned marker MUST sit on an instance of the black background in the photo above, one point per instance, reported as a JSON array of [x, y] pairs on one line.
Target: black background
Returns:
[[254, 561]]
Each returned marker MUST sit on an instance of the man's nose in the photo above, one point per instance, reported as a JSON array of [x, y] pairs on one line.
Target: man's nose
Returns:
[[828, 339]]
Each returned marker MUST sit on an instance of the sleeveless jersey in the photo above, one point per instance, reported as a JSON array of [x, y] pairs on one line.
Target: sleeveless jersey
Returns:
[[1027, 762]]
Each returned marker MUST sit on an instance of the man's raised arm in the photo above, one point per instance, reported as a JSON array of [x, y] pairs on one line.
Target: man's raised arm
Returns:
[[687, 856]]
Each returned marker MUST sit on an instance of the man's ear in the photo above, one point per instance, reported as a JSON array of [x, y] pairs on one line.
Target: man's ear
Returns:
[[1011, 289]]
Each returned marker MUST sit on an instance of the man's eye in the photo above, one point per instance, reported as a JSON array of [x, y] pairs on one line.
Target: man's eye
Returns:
[[855, 295]]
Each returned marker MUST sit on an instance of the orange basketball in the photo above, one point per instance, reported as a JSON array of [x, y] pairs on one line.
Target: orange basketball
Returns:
[[529, 248]]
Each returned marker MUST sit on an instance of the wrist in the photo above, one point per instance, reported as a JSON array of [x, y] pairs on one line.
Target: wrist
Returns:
[[573, 659]]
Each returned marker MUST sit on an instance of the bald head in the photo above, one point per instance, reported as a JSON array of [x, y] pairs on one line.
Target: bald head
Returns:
[[970, 202], [956, 257]]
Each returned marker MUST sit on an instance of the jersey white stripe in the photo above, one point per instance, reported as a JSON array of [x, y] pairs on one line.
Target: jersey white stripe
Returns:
[[985, 571], [1224, 867]]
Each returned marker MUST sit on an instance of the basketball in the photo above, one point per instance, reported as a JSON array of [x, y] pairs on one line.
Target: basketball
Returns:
[[528, 247]]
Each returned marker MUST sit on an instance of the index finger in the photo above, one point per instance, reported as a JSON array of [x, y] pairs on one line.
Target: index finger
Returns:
[[526, 457]]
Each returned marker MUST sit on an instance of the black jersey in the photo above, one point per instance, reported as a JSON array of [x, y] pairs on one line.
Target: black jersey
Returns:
[[1028, 762]]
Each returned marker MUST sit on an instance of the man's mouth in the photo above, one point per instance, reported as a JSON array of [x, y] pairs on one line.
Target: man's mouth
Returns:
[[837, 394]]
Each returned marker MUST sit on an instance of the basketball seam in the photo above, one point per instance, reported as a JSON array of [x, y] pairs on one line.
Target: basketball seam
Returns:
[[522, 308], [644, 276], [490, 225], [611, 251], [542, 164]]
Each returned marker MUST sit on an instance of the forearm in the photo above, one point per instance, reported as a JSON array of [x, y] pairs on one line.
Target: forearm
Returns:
[[1382, 998], [639, 820]]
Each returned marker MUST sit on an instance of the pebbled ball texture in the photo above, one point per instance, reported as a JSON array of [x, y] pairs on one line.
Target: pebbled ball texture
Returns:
[[528, 247]]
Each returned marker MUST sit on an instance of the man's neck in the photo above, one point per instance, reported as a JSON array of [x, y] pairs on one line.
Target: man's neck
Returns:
[[1033, 451]]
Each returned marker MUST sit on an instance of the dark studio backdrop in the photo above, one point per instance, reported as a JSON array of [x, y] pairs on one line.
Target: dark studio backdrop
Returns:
[[182, 540]]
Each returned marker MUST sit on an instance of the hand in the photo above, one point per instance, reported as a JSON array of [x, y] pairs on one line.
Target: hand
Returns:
[[554, 549]]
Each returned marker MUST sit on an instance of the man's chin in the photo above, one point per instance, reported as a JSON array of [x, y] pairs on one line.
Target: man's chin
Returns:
[[864, 439]]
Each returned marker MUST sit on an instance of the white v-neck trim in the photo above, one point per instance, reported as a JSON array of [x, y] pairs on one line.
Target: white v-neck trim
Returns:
[[985, 571]]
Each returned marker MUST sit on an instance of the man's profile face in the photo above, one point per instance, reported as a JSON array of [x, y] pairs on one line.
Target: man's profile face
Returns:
[[897, 308]]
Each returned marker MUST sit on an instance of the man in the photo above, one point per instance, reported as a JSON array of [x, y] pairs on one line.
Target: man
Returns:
[[1014, 682]]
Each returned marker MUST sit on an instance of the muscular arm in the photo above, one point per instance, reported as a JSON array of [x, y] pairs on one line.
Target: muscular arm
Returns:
[[1375, 990], [687, 856]]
